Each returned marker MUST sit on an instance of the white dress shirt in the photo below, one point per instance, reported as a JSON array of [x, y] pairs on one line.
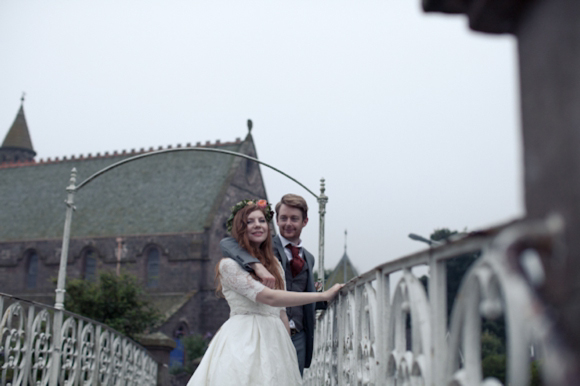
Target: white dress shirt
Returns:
[[288, 251]]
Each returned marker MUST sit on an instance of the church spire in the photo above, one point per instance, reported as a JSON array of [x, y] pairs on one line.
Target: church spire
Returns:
[[17, 145]]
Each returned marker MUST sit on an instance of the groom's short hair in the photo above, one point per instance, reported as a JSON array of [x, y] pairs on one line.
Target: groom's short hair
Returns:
[[294, 201]]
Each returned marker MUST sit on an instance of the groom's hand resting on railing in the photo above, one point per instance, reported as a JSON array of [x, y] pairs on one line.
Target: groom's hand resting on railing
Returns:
[[265, 276]]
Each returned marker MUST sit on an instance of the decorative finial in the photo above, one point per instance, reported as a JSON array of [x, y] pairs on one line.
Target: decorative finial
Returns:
[[73, 180], [322, 185], [249, 126], [22, 97], [345, 241]]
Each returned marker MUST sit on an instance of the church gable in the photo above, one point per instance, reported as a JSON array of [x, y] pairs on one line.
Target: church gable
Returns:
[[342, 273], [159, 219]]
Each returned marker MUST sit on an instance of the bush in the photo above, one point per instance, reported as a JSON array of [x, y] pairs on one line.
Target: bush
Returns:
[[195, 346], [491, 344], [535, 379], [494, 366], [117, 301]]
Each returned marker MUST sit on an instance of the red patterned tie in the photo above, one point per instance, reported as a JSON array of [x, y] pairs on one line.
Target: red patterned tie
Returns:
[[297, 262]]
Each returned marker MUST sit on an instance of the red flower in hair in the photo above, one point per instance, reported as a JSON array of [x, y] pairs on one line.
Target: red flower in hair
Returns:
[[262, 204]]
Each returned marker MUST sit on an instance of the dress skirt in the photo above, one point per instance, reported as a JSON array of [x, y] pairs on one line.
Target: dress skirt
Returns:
[[249, 350]]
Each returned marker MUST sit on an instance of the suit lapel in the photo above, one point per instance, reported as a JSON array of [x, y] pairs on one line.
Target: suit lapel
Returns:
[[309, 259], [279, 249]]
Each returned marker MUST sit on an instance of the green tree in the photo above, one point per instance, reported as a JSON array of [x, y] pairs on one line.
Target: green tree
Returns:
[[535, 379], [491, 344], [117, 301], [195, 346]]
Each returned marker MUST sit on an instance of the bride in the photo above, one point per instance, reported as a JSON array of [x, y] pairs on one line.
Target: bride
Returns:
[[253, 347]]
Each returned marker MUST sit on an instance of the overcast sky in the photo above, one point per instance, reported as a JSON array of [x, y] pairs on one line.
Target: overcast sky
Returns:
[[412, 119]]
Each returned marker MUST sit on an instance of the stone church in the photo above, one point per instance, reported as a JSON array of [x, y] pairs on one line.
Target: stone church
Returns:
[[160, 218]]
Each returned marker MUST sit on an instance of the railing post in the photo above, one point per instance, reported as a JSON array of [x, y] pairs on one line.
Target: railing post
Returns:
[[56, 347], [27, 357], [381, 328], [322, 200], [98, 351], [438, 305]]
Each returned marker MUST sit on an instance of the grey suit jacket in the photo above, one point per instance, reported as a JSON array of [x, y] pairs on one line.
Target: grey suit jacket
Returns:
[[232, 249]]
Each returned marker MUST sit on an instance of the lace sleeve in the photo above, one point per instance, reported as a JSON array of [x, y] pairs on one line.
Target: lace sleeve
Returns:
[[232, 276]]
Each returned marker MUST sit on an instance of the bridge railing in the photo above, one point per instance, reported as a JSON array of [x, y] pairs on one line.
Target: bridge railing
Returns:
[[386, 329], [85, 352]]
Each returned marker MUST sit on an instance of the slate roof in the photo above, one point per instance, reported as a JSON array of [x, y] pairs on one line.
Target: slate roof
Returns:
[[343, 272], [166, 193], [18, 135], [169, 304]]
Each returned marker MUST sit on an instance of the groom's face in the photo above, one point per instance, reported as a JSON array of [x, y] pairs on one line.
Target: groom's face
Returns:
[[290, 223]]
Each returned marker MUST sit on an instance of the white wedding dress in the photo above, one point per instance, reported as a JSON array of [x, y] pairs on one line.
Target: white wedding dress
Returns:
[[252, 348]]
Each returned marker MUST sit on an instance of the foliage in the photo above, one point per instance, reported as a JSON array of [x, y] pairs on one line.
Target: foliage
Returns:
[[442, 234], [495, 327], [178, 370], [491, 344], [494, 366], [263, 205], [117, 301], [536, 379], [493, 356], [195, 346]]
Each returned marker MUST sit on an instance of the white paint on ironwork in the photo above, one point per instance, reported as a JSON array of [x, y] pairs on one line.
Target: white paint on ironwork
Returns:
[[86, 352], [369, 337]]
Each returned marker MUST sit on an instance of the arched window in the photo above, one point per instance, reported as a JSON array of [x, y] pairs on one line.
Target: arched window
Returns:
[[153, 256], [89, 261], [32, 272]]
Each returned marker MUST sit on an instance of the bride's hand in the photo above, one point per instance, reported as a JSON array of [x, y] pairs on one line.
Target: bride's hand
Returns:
[[330, 294]]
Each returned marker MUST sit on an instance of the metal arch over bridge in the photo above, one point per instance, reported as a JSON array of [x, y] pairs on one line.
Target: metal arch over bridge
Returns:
[[72, 188]]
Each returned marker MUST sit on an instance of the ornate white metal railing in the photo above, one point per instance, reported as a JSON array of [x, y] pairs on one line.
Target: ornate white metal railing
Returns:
[[378, 332], [41, 345]]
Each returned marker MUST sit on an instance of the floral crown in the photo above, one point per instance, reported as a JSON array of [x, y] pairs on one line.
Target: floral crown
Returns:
[[263, 205]]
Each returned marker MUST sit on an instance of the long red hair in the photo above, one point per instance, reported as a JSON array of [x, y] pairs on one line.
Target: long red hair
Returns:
[[262, 252]]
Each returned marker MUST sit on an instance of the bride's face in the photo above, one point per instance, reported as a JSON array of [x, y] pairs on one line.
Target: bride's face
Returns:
[[257, 229]]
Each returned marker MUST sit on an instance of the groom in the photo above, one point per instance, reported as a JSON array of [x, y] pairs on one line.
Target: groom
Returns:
[[298, 263]]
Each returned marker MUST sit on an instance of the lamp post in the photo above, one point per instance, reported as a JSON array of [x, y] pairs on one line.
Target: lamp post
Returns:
[[432, 243], [322, 200], [71, 189]]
